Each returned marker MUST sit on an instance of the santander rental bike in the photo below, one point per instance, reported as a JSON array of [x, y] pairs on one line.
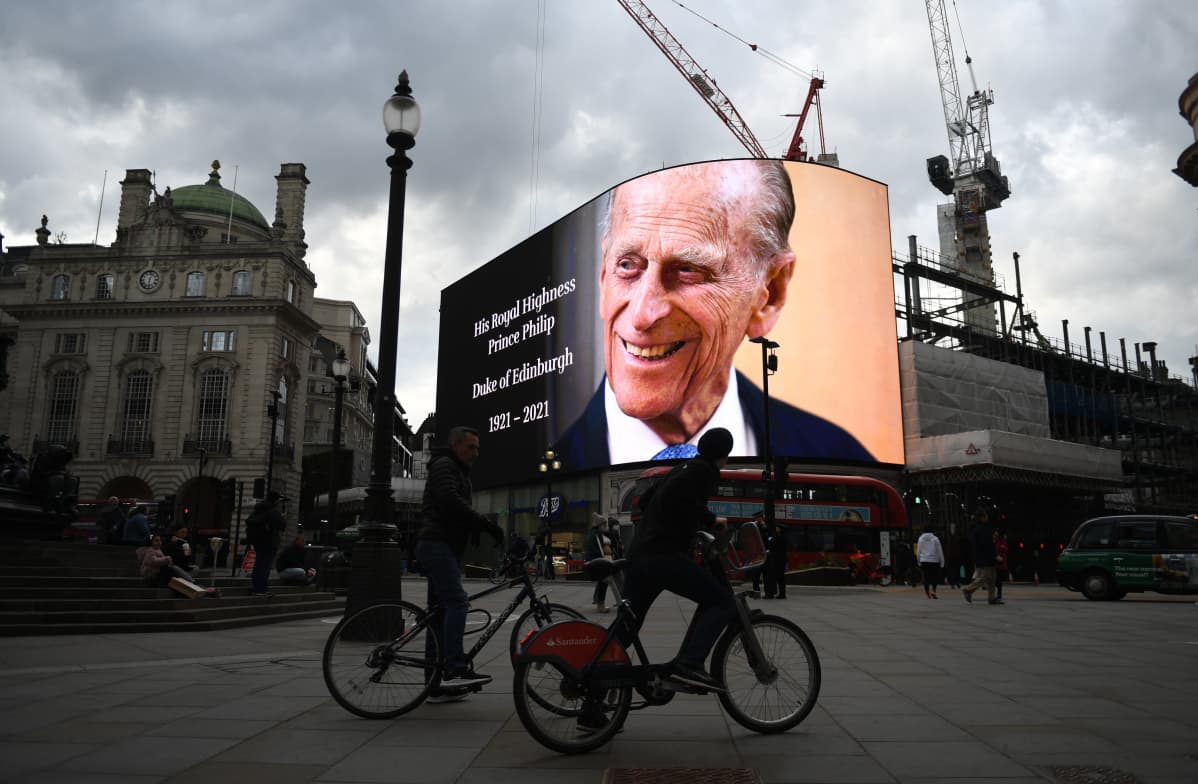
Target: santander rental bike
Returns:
[[575, 680], [386, 659]]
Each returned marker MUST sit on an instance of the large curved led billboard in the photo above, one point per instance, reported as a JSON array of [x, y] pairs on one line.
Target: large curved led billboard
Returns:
[[621, 333]]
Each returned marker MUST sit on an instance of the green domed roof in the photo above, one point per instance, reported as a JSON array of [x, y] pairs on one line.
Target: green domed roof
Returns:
[[212, 198]]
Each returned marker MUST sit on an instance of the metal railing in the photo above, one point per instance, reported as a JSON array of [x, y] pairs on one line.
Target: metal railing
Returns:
[[131, 447], [213, 447]]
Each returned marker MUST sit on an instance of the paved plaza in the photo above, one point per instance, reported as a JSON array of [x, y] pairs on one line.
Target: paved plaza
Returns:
[[1048, 687]]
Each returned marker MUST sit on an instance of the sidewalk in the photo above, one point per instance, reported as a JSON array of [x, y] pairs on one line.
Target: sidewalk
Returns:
[[913, 691]]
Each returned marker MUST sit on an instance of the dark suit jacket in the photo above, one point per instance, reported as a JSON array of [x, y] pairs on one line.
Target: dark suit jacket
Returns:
[[796, 433]]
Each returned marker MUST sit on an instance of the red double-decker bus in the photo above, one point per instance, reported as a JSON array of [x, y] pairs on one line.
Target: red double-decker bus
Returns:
[[827, 518]]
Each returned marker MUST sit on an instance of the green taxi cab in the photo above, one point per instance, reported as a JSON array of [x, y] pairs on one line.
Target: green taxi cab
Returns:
[[1109, 557]]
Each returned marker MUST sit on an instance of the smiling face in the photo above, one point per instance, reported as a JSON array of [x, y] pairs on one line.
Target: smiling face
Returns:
[[683, 283]]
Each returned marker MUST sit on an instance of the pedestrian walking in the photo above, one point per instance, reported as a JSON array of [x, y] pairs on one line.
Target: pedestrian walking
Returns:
[[598, 545], [759, 521], [984, 558], [137, 528], [930, 554], [778, 559], [1002, 565]]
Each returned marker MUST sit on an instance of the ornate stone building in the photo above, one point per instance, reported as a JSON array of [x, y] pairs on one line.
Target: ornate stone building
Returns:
[[160, 359]]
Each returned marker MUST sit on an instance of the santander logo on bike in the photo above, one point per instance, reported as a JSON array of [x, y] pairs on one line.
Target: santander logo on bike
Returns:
[[553, 643]]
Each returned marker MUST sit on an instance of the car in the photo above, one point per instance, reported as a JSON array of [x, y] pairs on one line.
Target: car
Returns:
[[1109, 557]]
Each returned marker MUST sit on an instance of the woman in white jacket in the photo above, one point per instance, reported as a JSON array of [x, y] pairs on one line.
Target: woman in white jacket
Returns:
[[931, 562]]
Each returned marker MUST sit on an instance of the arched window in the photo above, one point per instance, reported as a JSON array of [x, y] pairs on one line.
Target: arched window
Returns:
[[213, 406], [104, 286], [61, 407], [139, 395], [60, 286], [195, 284], [242, 281]]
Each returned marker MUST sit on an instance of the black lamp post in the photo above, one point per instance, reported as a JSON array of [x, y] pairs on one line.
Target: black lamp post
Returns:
[[374, 578], [272, 411], [769, 366], [550, 464], [340, 372]]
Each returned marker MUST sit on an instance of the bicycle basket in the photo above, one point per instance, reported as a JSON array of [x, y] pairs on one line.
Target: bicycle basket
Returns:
[[745, 550]]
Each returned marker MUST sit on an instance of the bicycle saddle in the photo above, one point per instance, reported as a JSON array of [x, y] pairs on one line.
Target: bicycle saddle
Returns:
[[602, 568]]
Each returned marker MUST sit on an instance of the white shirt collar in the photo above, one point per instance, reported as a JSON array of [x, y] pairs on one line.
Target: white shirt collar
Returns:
[[630, 440]]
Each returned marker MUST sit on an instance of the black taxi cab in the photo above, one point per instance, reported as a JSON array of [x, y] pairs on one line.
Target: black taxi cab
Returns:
[[1109, 557]]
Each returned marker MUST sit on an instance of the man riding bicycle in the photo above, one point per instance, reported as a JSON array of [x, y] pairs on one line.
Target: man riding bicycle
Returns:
[[661, 556], [449, 520]]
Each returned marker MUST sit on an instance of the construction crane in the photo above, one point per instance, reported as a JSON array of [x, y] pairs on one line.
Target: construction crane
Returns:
[[972, 176], [710, 92]]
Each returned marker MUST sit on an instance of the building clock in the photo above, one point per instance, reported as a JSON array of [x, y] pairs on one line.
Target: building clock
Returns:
[[149, 280]]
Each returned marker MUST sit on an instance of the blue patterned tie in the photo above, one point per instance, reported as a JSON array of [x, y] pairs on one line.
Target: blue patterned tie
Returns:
[[675, 451]]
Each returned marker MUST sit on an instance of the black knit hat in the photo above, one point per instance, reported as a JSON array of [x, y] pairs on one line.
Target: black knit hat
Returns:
[[715, 444]]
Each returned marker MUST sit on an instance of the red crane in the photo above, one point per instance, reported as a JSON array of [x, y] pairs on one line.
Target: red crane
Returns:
[[713, 96]]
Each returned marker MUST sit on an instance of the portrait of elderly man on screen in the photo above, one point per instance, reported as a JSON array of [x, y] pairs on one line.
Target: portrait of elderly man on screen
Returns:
[[696, 260]]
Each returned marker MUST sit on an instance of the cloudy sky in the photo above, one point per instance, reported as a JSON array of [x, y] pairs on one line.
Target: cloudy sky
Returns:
[[1085, 124]]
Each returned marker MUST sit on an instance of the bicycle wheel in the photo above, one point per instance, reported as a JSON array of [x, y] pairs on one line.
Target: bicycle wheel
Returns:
[[780, 701], [539, 616], [375, 662], [554, 707], [497, 575]]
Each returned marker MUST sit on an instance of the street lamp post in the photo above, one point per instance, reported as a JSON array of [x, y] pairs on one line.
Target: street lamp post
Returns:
[[374, 577], [340, 372], [272, 411], [769, 366], [550, 464]]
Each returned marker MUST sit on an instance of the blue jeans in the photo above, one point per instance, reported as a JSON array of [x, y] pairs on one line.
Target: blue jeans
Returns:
[[646, 577], [444, 572], [264, 561]]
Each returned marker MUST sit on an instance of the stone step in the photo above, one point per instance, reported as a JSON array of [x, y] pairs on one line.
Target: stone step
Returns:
[[189, 611], [170, 624], [136, 590], [159, 601]]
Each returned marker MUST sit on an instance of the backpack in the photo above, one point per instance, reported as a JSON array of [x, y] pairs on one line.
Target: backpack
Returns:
[[255, 526]]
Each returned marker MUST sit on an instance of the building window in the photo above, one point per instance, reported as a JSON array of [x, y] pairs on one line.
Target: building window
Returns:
[[286, 348], [143, 343], [70, 343], [104, 286], [219, 340], [60, 286], [291, 291], [213, 406], [139, 389], [228, 239], [64, 399], [242, 280], [195, 284], [281, 426]]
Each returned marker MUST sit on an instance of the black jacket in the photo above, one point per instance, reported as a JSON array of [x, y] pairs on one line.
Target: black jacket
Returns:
[[984, 553], [174, 548], [291, 557], [448, 516], [676, 510], [267, 536]]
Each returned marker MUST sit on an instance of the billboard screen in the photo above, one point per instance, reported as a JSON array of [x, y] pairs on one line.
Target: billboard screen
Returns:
[[620, 333]]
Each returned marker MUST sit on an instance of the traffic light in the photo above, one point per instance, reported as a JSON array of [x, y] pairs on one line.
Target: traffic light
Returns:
[[259, 488], [166, 511], [918, 500], [186, 518]]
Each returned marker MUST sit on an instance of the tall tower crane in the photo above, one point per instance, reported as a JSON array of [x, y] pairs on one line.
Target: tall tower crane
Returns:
[[972, 176], [710, 92]]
